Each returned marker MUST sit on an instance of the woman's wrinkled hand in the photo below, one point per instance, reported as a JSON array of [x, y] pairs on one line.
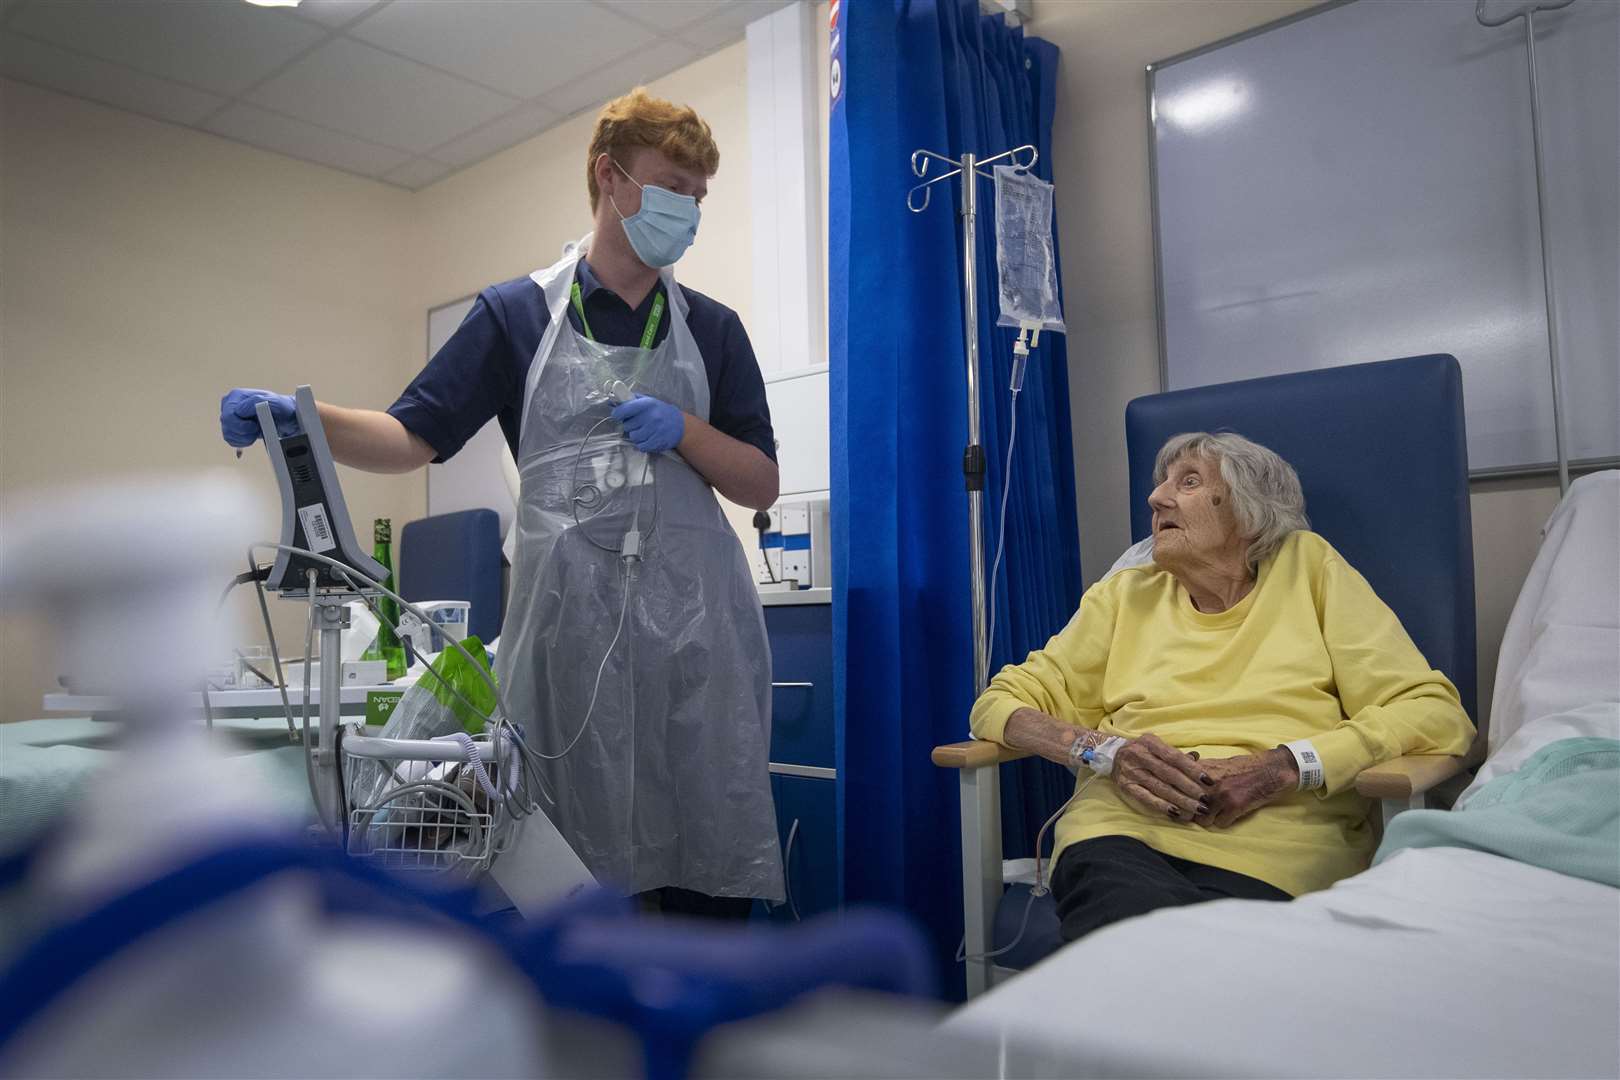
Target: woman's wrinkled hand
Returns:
[[1162, 780], [1245, 783]]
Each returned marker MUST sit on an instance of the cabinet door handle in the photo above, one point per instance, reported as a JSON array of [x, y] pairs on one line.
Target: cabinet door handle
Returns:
[[793, 685]]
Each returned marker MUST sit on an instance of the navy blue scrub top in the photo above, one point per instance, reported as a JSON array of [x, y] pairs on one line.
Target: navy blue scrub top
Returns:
[[481, 371]]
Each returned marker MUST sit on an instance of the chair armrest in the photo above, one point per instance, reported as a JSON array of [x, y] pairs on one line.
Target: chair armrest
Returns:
[[1406, 776], [974, 753]]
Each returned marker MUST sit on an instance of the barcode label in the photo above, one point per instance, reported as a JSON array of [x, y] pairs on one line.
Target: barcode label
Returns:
[[317, 532]]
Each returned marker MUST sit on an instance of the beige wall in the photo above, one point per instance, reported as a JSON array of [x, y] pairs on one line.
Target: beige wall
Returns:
[[1104, 217], [146, 268], [511, 214], [212, 265]]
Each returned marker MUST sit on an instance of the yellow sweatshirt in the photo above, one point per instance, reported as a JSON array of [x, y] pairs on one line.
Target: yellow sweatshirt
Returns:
[[1309, 653]]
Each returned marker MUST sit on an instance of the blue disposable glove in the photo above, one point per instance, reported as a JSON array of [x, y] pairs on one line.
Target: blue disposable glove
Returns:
[[239, 419], [653, 426]]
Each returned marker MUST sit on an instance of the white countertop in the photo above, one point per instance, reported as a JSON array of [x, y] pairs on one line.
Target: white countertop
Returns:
[[257, 702], [798, 596]]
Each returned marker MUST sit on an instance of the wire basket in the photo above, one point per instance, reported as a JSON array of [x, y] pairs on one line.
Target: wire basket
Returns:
[[433, 816]]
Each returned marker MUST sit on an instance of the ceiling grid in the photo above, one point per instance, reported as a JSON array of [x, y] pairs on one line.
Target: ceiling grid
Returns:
[[402, 91]]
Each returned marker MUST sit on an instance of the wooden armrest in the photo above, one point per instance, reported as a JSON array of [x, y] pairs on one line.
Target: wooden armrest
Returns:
[[1406, 776], [974, 753]]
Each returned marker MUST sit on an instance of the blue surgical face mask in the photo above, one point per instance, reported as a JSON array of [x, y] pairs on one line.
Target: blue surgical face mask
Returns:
[[664, 227]]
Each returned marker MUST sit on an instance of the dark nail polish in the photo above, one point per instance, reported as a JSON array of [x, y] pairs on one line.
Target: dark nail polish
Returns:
[[1194, 755], [1175, 813], [1203, 778], [1203, 800]]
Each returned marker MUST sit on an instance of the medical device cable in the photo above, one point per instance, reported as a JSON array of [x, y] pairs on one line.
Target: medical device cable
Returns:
[[418, 787], [527, 753], [309, 762], [275, 653], [627, 578], [600, 668], [762, 522], [787, 870], [219, 605], [345, 570], [574, 499], [1039, 889], [474, 760], [521, 810], [491, 722]]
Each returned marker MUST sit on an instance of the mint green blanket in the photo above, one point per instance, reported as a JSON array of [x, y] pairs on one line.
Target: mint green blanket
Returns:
[[1559, 810]]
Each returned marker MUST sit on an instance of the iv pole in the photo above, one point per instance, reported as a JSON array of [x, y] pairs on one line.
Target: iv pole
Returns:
[[980, 795], [969, 166], [1528, 13]]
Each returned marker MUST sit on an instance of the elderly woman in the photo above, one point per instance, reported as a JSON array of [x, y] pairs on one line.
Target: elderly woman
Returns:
[[1225, 695]]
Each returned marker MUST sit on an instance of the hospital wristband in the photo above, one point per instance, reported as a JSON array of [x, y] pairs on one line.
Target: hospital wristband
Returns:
[[1308, 762]]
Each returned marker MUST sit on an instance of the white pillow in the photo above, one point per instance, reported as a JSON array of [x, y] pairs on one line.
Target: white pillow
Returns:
[[1561, 649], [1558, 676], [1138, 554]]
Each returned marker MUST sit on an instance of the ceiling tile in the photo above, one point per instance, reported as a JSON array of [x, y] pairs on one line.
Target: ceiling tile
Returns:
[[730, 24], [524, 123], [669, 14], [46, 65], [283, 134], [334, 12], [418, 173], [521, 48], [225, 47], [618, 78], [368, 93]]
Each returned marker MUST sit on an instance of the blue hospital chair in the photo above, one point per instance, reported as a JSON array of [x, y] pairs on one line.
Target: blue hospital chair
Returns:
[[455, 557], [1381, 453]]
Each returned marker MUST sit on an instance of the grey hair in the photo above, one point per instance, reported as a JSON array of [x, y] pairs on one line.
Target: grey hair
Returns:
[[1266, 497]]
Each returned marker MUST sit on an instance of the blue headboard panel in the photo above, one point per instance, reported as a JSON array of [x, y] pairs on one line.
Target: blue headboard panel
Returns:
[[455, 557], [1382, 455]]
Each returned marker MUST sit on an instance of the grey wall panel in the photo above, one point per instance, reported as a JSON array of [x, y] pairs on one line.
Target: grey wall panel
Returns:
[[1359, 184]]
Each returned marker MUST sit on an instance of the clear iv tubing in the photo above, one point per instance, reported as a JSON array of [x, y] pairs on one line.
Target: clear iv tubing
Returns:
[[1001, 528], [1041, 886], [1020, 361]]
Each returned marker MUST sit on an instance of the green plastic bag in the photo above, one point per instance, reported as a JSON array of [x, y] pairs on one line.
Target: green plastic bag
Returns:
[[455, 669]]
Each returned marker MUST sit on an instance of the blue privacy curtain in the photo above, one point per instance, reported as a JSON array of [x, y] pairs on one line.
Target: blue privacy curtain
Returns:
[[907, 75]]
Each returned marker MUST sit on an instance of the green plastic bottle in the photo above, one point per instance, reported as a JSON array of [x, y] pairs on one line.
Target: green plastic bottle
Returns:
[[387, 646]]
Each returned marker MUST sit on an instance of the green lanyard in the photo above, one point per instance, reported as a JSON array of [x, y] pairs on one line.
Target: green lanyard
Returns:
[[653, 317]]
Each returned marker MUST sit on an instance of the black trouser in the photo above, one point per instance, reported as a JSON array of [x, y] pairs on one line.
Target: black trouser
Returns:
[[672, 901], [1109, 878]]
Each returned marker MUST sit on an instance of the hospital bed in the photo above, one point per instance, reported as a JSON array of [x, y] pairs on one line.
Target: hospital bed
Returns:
[[1381, 454], [1438, 961]]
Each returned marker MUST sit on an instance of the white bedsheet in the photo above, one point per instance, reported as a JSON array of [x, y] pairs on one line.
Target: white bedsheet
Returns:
[[1400, 971]]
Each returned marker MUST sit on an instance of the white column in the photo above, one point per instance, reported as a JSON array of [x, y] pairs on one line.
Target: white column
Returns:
[[784, 144]]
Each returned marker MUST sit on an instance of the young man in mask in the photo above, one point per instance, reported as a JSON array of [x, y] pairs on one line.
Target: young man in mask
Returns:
[[633, 654]]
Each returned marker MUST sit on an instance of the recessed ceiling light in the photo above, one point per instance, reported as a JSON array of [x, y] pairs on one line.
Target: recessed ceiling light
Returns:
[[273, 3]]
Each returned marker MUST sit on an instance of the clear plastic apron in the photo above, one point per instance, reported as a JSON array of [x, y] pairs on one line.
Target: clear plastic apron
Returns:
[[669, 783]]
